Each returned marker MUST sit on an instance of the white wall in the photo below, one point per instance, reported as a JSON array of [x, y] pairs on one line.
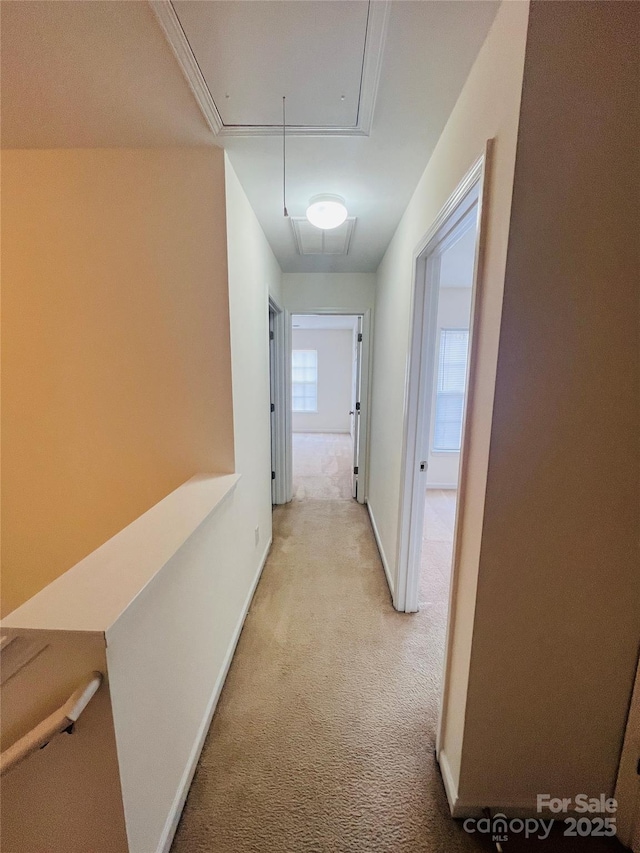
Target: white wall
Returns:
[[342, 291], [454, 307], [254, 275], [335, 370], [167, 658], [488, 107]]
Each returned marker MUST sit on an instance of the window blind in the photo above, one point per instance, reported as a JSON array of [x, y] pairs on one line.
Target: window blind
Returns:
[[450, 389], [304, 389]]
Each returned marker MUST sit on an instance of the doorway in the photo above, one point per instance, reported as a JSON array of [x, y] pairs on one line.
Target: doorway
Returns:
[[280, 416], [442, 437], [439, 390], [329, 405]]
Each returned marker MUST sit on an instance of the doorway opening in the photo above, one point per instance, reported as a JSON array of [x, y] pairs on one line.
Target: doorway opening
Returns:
[[439, 393], [280, 411], [329, 358], [442, 429]]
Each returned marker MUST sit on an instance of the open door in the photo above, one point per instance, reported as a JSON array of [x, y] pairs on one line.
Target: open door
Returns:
[[272, 402], [355, 409], [279, 404]]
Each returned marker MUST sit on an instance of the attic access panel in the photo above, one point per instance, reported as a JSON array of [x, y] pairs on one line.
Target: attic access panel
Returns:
[[314, 241], [242, 56]]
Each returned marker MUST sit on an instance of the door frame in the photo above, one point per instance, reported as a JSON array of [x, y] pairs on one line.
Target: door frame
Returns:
[[281, 488], [477, 179], [470, 194], [356, 401], [365, 385]]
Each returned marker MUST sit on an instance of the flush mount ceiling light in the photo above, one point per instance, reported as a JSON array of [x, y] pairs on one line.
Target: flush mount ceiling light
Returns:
[[326, 211]]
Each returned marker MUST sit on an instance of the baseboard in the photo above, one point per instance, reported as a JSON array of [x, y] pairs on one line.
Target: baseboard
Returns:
[[166, 838], [383, 557], [463, 808], [450, 787], [318, 431], [444, 486], [510, 809]]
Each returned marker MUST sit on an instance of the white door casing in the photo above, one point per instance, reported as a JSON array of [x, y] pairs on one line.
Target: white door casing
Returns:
[[420, 386], [357, 386], [471, 191], [272, 399]]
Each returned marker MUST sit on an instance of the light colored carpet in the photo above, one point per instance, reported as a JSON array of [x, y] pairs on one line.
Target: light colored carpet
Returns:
[[323, 739], [324, 735], [437, 547], [322, 465]]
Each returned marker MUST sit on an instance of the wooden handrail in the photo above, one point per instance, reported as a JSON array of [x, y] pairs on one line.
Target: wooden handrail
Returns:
[[60, 721]]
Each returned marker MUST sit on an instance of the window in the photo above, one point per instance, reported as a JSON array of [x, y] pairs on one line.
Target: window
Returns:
[[450, 388], [304, 368]]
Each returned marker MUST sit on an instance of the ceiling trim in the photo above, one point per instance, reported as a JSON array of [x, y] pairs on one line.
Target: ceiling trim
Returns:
[[377, 21], [175, 35]]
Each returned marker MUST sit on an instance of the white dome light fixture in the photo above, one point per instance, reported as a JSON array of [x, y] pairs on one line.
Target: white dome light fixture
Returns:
[[326, 211]]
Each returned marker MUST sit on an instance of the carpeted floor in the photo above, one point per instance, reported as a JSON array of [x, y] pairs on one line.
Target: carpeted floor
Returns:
[[322, 465], [323, 739], [324, 735], [437, 547]]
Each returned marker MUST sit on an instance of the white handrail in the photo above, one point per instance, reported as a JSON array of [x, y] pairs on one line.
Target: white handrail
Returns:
[[53, 725]]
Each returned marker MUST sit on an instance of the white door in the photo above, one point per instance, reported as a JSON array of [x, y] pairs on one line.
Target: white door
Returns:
[[272, 402], [628, 787], [355, 417], [354, 385]]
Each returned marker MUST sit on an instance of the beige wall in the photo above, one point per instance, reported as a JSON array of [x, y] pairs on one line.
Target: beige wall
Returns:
[[190, 609], [116, 369], [487, 108], [558, 606], [335, 348], [36, 796], [628, 782]]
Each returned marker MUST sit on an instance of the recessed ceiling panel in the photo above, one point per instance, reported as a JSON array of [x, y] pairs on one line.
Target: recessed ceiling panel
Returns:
[[315, 241], [251, 53]]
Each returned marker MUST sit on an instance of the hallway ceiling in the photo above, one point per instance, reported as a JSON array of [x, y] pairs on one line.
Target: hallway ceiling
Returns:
[[102, 74], [426, 57]]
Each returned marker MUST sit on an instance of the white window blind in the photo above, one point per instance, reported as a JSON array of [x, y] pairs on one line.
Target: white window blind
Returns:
[[304, 368], [450, 388]]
